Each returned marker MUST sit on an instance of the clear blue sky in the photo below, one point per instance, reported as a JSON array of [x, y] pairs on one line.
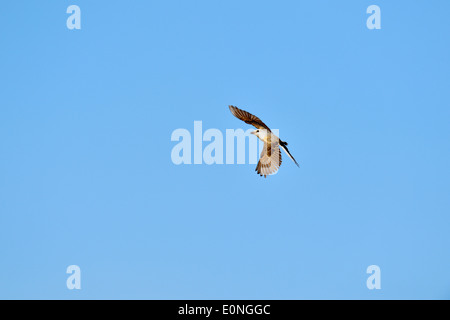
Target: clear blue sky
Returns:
[[86, 176]]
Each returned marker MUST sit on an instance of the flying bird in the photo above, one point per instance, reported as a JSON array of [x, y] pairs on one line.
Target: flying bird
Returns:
[[270, 158]]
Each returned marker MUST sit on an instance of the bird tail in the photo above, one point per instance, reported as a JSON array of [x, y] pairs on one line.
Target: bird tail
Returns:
[[285, 148]]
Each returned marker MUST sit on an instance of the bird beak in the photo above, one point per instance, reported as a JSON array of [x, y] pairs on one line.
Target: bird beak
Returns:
[[253, 132]]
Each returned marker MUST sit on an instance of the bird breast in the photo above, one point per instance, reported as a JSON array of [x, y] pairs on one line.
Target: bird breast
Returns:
[[267, 137]]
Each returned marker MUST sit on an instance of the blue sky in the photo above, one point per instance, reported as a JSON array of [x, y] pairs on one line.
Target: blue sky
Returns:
[[86, 176]]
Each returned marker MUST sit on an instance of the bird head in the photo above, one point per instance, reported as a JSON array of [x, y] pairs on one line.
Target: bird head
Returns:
[[260, 133]]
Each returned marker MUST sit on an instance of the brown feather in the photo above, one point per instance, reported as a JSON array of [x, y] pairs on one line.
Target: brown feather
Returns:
[[248, 118]]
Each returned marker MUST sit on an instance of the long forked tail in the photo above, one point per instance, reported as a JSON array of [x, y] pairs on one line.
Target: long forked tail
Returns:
[[285, 148]]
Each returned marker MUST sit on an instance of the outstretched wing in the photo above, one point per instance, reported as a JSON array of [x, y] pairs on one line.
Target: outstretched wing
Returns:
[[248, 118], [270, 159]]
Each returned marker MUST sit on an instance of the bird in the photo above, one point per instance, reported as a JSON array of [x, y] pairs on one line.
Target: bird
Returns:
[[270, 158]]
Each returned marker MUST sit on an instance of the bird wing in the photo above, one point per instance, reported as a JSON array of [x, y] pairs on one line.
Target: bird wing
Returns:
[[270, 159], [248, 118]]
